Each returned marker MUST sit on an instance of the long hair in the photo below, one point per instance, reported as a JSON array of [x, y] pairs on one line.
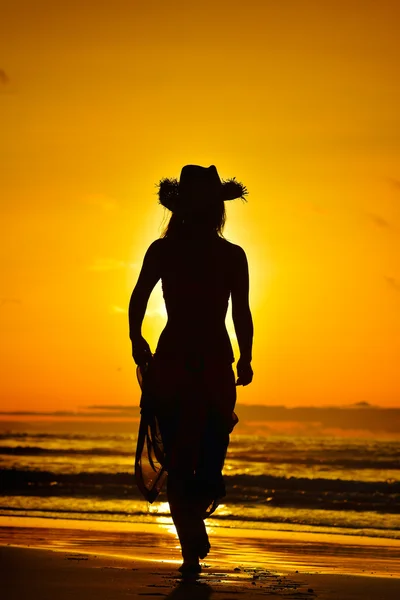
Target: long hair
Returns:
[[210, 219]]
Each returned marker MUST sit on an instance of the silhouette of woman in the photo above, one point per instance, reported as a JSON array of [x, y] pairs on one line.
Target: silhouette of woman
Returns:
[[188, 386]]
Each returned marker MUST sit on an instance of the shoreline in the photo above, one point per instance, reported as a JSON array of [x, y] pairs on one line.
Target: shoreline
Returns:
[[329, 535], [243, 525], [281, 551]]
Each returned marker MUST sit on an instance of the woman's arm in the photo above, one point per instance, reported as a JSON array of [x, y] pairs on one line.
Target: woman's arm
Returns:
[[241, 315], [148, 277]]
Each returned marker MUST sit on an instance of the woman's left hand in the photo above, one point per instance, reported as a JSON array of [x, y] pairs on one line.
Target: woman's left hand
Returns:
[[244, 372]]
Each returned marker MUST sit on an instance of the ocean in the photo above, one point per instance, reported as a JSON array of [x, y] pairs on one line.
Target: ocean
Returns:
[[308, 484]]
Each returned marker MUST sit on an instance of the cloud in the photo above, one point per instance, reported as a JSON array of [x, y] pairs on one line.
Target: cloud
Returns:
[[119, 310], [102, 201], [8, 300], [379, 221], [158, 311], [320, 420], [34, 413], [121, 412], [118, 407], [393, 283], [4, 79], [313, 207], [395, 182]]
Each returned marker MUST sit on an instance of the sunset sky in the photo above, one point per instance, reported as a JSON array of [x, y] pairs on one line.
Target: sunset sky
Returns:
[[297, 99]]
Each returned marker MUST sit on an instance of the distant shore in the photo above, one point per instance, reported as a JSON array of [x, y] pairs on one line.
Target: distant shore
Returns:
[[107, 560]]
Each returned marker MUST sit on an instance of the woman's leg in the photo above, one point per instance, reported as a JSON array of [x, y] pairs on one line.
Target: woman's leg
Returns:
[[181, 449], [187, 513], [195, 437], [220, 391], [191, 492]]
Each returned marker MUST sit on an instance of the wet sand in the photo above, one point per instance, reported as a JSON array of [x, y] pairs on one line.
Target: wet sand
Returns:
[[46, 558]]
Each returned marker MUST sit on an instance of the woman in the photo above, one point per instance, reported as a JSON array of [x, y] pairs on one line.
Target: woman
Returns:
[[188, 385]]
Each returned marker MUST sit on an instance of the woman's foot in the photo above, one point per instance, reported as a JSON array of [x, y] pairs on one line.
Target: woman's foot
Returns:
[[190, 567]]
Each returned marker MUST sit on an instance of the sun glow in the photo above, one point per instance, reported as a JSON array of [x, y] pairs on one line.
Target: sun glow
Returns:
[[312, 132]]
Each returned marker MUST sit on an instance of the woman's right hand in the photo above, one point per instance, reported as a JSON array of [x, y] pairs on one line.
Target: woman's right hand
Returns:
[[141, 351], [244, 372]]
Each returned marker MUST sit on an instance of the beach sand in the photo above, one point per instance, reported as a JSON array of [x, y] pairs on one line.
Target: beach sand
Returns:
[[43, 559]]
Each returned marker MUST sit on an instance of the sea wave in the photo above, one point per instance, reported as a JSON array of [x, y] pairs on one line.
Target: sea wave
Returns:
[[39, 451], [328, 461], [270, 518], [61, 437], [238, 517], [379, 496]]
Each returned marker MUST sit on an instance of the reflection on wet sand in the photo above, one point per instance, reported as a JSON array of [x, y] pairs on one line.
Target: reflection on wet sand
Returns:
[[191, 589], [279, 552]]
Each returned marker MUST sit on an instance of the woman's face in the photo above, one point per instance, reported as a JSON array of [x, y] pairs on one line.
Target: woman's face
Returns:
[[199, 200]]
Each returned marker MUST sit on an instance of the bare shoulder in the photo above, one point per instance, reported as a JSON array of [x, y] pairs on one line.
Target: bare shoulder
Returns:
[[158, 244], [156, 248], [233, 251]]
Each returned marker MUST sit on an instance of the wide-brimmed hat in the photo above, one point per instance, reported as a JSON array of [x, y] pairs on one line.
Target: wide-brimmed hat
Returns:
[[198, 184]]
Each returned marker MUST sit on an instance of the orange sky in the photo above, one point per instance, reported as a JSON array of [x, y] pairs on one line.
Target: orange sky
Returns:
[[299, 100]]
